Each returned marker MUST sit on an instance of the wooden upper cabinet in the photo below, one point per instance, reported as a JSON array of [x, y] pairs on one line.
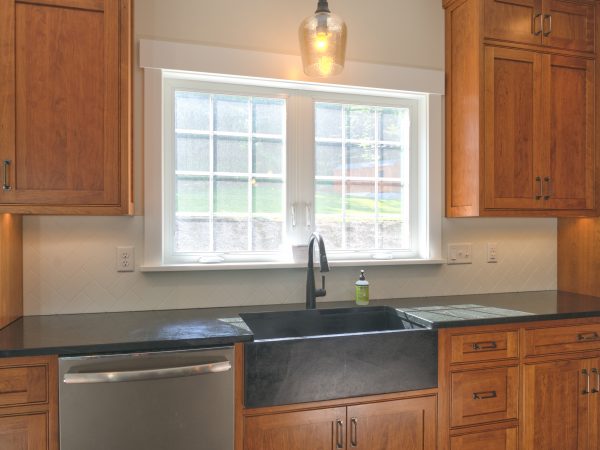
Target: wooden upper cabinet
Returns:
[[513, 20], [407, 424], [569, 141], [558, 410], [568, 25], [513, 101], [562, 24], [521, 118], [319, 429], [65, 143]]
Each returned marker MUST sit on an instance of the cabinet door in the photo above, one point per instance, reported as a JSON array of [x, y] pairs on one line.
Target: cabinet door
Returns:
[[513, 20], [24, 432], [408, 424], [568, 149], [319, 429], [501, 439], [569, 25], [61, 72], [513, 94], [556, 405]]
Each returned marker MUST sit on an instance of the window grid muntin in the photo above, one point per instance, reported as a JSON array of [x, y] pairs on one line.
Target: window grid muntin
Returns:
[[212, 175], [377, 179]]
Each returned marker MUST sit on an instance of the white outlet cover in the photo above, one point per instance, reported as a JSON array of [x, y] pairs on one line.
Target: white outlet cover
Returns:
[[460, 253], [125, 259]]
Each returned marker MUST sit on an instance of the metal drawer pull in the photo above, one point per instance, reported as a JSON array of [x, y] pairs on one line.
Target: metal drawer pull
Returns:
[[597, 388], [5, 185], [485, 345], [540, 188], [484, 395], [535, 18], [339, 433], [354, 432], [587, 382], [293, 215], [547, 17], [591, 336], [548, 194], [147, 374]]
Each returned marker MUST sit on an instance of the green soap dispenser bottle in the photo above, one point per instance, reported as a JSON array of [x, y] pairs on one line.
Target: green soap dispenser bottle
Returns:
[[362, 290]]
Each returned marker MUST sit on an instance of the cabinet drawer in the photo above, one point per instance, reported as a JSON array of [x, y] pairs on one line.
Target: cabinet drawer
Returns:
[[544, 341], [502, 439], [23, 385], [484, 346], [484, 395]]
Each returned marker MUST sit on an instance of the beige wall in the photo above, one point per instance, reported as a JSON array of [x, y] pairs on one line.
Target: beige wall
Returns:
[[69, 261]]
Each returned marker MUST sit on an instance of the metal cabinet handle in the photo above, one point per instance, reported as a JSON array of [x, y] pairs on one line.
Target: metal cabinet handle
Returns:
[[339, 433], [354, 432], [533, 29], [547, 17], [586, 374], [293, 212], [540, 194], [596, 372], [592, 336], [485, 345], [5, 185], [548, 194], [484, 395], [147, 374], [308, 217]]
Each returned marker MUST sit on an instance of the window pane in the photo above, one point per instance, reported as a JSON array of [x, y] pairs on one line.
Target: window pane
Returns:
[[328, 120], [328, 212], [231, 195], [268, 115], [390, 198], [193, 152], [360, 213], [390, 161], [328, 159], [192, 234], [267, 234], [231, 234], [360, 122], [267, 196], [192, 111], [267, 156], [231, 113], [391, 235], [231, 154], [392, 121], [192, 194], [360, 160]]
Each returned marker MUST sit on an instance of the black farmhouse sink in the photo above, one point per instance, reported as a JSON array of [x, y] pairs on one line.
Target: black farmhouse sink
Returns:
[[312, 355]]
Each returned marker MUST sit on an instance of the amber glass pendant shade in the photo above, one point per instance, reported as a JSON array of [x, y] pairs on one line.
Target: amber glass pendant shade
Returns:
[[323, 42]]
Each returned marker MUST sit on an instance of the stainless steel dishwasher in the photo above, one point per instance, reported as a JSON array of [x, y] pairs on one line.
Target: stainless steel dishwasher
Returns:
[[171, 400]]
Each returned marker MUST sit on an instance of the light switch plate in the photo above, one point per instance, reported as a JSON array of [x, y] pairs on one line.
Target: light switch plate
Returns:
[[460, 253]]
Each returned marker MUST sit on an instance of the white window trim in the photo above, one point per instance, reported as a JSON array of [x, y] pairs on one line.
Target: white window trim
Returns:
[[158, 57]]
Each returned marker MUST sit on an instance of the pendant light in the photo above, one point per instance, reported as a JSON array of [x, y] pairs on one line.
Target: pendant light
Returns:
[[323, 42]]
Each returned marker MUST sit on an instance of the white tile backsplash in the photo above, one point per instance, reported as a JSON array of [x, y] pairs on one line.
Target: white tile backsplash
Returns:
[[70, 268]]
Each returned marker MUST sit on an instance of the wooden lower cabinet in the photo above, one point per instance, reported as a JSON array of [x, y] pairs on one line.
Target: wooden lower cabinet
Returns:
[[500, 439], [560, 405], [404, 424], [29, 403], [26, 432]]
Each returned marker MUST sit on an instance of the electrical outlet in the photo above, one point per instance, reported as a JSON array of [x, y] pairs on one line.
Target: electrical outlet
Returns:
[[492, 252], [125, 259], [460, 254]]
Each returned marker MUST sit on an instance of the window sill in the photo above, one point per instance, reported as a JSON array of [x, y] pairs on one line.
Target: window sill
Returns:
[[286, 265]]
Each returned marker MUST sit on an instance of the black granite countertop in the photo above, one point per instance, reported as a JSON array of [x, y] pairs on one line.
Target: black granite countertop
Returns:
[[72, 334]]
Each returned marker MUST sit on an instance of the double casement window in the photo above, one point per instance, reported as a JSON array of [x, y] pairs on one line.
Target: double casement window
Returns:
[[250, 171], [239, 170]]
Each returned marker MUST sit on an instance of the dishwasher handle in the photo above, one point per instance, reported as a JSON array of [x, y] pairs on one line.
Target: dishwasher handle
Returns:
[[146, 374]]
